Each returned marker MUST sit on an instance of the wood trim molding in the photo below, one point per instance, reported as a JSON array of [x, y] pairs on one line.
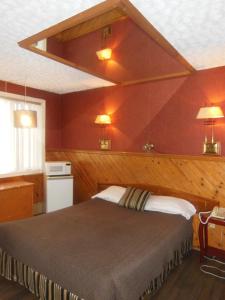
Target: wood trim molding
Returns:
[[91, 25], [144, 24], [84, 16], [158, 78], [127, 10], [148, 154]]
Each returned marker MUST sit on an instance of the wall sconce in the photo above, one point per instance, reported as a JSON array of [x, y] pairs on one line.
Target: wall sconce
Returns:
[[104, 120], [210, 114], [105, 53], [148, 147]]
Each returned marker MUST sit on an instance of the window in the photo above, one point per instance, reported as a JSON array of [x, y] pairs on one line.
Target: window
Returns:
[[22, 150]]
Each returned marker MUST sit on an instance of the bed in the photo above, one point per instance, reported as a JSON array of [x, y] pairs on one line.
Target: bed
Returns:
[[94, 251]]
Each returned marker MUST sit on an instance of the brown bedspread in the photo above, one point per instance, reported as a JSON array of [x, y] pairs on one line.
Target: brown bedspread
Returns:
[[97, 250]]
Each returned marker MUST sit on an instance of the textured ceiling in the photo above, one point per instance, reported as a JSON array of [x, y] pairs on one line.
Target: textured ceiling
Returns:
[[194, 27], [23, 18]]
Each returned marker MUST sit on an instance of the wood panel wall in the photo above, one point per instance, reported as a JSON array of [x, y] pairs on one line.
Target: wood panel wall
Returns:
[[199, 175]]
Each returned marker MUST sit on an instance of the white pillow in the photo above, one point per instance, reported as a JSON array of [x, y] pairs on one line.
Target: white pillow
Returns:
[[112, 194], [170, 205]]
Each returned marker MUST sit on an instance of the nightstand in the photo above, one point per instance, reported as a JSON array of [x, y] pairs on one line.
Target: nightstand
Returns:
[[16, 200], [205, 249]]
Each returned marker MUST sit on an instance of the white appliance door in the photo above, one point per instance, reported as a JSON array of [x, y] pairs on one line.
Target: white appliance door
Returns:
[[59, 192]]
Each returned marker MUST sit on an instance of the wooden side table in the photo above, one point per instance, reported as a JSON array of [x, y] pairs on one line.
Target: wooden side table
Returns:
[[205, 249], [16, 200]]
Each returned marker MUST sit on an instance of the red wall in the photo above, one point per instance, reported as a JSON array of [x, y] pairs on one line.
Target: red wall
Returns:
[[134, 54], [162, 112], [53, 111]]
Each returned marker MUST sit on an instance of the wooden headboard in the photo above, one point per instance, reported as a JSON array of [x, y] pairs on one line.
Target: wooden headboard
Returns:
[[200, 203]]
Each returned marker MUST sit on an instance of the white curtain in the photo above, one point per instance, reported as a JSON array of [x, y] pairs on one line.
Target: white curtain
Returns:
[[21, 149]]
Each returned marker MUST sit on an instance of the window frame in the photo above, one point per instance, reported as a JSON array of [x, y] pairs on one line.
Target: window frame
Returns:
[[42, 102]]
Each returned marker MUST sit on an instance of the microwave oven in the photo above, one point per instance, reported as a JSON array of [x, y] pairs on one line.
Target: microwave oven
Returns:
[[57, 168]]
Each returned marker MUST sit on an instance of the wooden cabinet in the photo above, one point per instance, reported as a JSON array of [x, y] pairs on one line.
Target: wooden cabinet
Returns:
[[16, 200]]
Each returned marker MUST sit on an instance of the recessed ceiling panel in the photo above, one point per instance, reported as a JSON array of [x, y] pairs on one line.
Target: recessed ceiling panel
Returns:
[[195, 28], [135, 55], [139, 52], [22, 18]]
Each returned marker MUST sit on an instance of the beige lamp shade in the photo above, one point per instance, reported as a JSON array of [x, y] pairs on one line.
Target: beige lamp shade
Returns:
[[210, 112], [103, 119], [25, 119], [104, 54]]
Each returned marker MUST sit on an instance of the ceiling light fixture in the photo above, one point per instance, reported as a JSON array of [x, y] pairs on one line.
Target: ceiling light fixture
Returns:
[[25, 118], [105, 53]]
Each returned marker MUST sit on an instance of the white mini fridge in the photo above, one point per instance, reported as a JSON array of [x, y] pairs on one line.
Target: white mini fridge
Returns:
[[59, 192], [58, 185]]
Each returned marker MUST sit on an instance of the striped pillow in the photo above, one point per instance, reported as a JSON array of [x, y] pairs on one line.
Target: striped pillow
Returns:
[[134, 198]]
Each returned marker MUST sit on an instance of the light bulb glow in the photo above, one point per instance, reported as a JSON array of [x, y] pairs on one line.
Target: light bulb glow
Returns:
[[103, 119], [210, 112], [25, 120], [104, 54]]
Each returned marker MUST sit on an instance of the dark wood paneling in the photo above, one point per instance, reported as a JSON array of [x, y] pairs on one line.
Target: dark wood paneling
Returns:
[[13, 291]]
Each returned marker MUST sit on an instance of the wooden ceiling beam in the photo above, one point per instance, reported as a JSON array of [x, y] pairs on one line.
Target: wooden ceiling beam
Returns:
[[84, 16], [157, 78], [91, 25]]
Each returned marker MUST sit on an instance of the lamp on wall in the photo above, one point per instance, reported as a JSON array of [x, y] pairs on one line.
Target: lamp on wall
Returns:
[[209, 114], [103, 121], [25, 118], [105, 52]]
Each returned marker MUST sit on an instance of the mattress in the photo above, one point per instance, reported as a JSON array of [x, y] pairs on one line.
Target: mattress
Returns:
[[97, 249]]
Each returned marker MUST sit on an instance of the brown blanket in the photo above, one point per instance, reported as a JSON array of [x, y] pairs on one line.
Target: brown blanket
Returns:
[[97, 250]]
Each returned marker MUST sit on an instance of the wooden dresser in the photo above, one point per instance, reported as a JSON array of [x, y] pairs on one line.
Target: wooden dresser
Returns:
[[16, 200]]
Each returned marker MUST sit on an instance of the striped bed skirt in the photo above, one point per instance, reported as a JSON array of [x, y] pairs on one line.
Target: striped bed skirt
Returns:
[[36, 283], [178, 255], [45, 289]]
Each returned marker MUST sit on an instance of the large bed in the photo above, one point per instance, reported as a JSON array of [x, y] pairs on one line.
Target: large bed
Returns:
[[96, 250]]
